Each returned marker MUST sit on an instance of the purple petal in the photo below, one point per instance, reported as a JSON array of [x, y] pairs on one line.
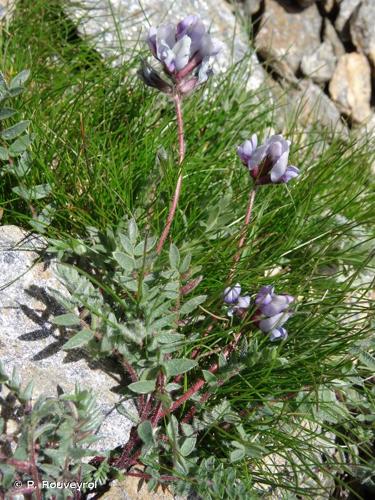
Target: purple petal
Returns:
[[268, 324], [278, 138], [151, 40], [208, 47], [275, 150], [181, 50], [184, 25], [166, 56], [264, 296], [243, 302], [231, 294], [257, 157], [245, 150], [277, 305], [153, 79], [280, 167], [290, 173], [254, 141], [165, 35], [197, 33], [278, 334]]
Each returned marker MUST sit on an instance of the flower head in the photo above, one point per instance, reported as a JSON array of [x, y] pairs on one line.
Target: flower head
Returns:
[[184, 51], [269, 303], [240, 303], [268, 163], [272, 312]]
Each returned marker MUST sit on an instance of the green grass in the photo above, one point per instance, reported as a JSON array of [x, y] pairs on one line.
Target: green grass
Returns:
[[104, 142]]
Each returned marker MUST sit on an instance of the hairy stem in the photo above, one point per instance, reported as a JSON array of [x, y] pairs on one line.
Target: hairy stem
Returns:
[[243, 234], [181, 156]]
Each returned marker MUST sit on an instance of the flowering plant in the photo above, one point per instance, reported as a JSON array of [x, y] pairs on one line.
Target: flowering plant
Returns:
[[203, 370], [184, 51]]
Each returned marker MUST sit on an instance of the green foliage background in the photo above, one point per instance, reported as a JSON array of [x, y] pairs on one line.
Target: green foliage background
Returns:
[[107, 147]]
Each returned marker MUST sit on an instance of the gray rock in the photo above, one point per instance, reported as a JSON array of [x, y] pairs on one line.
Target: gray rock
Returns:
[[314, 106], [362, 29], [347, 8], [350, 87], [286, 35], [29, 341], [320, 65], [116, 27], [330, 34], [252, 7]]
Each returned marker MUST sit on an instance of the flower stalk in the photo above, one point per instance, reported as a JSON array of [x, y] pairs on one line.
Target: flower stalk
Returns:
[[243, 234], [181, 156]]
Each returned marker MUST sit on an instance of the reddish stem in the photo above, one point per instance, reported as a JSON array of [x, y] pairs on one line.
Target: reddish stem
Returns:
[[35, 474], [243, 234], [159, 408], [181, 156], [200, 382], [20, 465]]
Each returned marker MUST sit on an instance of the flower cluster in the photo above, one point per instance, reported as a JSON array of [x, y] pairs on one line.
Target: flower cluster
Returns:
[[268, 163], [184, 51], [272, 312], [232, 296]]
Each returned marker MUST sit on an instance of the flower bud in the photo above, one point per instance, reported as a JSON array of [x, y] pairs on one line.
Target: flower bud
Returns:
[[152, 78], [278, 334]]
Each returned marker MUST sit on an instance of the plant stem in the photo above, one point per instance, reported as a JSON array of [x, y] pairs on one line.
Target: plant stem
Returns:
[[243, 234], [34, 473], [181, 156], [199, 383]]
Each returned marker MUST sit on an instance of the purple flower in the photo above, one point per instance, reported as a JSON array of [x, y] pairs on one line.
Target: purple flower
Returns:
[[243, 302], [231, 294], [268, 163], [184, 51], [268, 324], [278, 334], [247, 149], [272, 312], [269, 303]]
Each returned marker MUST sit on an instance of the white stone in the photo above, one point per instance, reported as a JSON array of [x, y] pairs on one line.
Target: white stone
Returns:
[[330, 34], [286, 36], [350, 87], [362, 29], [320, 65], [347, 8], [32, 344]]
